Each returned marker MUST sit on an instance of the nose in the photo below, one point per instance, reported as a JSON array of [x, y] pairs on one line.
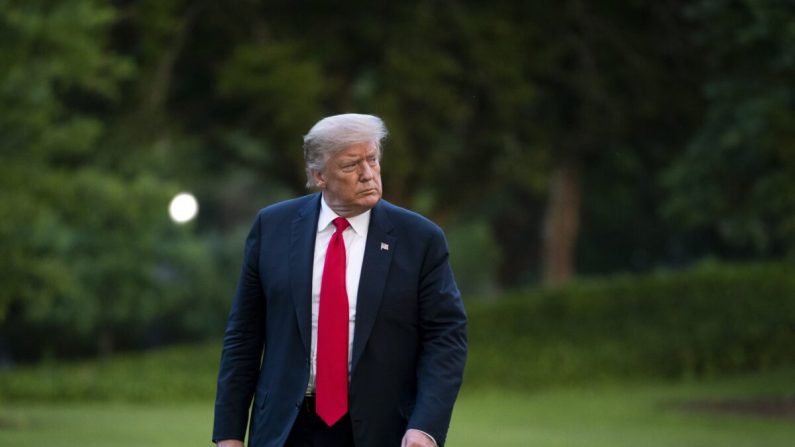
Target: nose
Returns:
[[366, 173]]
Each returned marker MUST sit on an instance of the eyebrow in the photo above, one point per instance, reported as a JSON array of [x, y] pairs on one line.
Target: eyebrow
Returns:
[[348, 158]]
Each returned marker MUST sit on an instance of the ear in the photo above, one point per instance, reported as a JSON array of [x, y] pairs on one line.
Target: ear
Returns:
[[320, 182]]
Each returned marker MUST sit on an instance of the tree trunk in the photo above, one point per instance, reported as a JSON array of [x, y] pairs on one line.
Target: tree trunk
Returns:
[[105, 344], [160, 84], [561, 224]]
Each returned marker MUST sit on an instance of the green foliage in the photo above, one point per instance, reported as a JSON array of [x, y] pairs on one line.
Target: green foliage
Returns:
[[735, 179], [712, 321], [168, 375], [284, 85], [108, 108], [282, 88], [709, 321], [474, 257], [96, 257], [89, 258], [52, 50]]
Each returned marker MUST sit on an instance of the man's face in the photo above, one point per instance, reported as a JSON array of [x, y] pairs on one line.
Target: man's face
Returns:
[[351, 180]]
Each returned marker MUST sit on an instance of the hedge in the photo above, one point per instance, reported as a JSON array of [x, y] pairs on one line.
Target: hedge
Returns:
[[710, 320]]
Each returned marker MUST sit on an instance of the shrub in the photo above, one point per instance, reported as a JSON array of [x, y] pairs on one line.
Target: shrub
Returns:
[[710, 320], [179, 373]]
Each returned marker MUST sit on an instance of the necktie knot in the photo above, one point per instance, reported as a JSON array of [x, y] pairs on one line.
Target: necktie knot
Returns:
[[341, 223]]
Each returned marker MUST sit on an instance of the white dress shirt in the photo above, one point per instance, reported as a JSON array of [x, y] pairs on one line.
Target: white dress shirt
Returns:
[[355, 237]]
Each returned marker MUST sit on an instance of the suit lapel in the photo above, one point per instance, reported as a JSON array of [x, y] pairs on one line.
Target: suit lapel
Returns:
[[302, 251], [375, 268]]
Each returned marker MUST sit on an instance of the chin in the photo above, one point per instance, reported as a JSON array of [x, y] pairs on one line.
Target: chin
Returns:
[[370, 201]]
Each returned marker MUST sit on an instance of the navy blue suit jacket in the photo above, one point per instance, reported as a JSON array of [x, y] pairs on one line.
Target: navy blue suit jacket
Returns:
[[409, 345]]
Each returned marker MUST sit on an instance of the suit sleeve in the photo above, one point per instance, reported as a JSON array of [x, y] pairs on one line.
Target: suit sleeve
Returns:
[[442, 323], [242, 347]]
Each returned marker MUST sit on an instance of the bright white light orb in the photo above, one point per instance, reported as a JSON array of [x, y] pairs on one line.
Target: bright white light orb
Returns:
[[183, 208]]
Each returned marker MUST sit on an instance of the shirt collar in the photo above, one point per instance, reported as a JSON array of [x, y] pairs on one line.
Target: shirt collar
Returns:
[[359, 223]]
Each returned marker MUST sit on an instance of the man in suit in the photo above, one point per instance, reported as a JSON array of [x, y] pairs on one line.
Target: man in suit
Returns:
[[347, 327]]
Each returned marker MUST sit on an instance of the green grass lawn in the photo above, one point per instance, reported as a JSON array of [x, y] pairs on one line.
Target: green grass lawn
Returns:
[[605, 415], [105, 424], [633, 416]]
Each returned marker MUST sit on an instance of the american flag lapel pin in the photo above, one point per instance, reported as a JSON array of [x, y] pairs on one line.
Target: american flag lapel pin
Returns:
[[384, 246]]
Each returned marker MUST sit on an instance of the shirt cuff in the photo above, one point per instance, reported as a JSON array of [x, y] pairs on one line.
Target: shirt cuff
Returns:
[[426, 434]]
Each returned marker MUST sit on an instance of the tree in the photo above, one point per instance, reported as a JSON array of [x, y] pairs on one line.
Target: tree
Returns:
[[50, 53], [734, 183], [88, 252]]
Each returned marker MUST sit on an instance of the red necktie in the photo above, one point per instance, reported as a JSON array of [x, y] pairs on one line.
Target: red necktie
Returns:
[[331, 379]]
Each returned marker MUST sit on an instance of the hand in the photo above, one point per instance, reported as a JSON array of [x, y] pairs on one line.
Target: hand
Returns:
[[230, 443], [416, 438]]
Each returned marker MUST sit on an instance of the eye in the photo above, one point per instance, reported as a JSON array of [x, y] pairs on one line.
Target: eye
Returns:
[[349, 167], [372, 160]]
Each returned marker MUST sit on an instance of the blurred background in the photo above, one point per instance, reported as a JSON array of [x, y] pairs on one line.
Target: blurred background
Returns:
[[616, 180]]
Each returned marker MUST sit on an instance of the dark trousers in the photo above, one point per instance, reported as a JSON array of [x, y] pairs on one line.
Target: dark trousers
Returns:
[[310, 431]]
